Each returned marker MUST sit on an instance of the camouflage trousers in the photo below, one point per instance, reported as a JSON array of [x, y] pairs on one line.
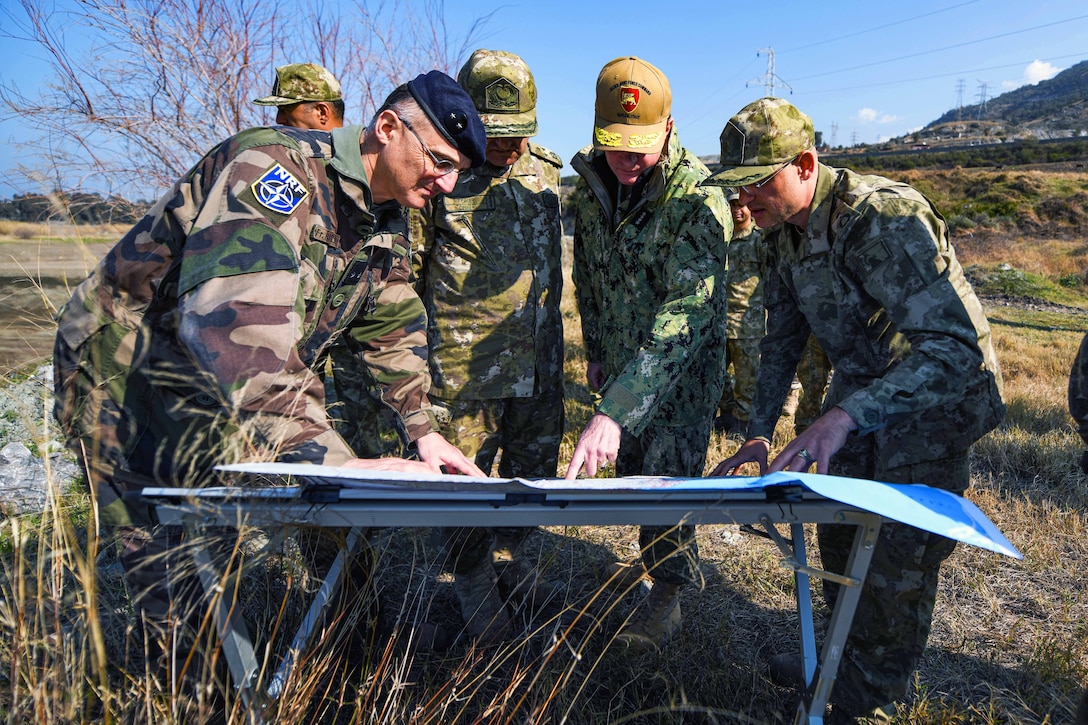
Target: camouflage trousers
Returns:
[[813, 372], [740, 379], [895, 611], [527, 431], [670, 553]]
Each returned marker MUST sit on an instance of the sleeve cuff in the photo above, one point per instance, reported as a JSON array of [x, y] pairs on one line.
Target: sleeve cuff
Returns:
[[866, 412]]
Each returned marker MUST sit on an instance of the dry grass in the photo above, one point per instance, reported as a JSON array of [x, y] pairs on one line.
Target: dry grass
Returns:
[[1010, 643], [58, 232]]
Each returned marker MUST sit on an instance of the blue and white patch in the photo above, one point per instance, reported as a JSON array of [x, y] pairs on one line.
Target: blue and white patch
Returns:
[[279, 191]]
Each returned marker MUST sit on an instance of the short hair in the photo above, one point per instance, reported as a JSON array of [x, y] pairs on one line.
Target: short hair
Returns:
[[336, 106], [400, 102]]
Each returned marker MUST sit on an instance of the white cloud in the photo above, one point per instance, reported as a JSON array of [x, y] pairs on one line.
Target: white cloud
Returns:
[[871, 115], [1036, 70]]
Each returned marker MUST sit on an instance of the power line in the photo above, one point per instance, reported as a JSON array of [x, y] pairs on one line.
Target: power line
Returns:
[[878, 27], [899, 81], [937, 50]]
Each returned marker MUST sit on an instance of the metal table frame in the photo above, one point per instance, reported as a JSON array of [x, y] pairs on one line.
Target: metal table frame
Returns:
[[336, 506]]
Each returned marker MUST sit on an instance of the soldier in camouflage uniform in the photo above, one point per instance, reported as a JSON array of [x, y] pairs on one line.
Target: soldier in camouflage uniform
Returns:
[[746, 319], [198, 338], [650, 276], [490, 272], [306, 95], [813, 372], [864, 263]]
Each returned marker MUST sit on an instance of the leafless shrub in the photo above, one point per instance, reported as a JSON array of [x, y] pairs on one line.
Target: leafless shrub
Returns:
[[150, 85]]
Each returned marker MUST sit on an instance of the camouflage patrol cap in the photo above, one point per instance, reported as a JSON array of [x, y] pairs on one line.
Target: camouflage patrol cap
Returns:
[[301, 83], [763, 136], [504, 92], [634, 102]]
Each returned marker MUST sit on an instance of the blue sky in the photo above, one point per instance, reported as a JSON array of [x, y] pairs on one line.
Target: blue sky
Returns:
[[864, 71], [871, 70]]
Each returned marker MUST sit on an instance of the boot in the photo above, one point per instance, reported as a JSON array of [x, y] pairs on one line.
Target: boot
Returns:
[[656, 619], [523, 586], [625, 576], [786, 670], [482, 608]]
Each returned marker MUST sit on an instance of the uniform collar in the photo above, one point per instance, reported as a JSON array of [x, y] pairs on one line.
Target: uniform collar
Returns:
[[347, 158]]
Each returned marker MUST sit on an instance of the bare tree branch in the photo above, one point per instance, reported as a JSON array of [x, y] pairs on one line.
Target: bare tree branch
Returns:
[[139, 89]]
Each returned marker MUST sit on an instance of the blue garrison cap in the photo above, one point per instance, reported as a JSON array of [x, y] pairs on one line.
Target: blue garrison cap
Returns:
[[452, 113]]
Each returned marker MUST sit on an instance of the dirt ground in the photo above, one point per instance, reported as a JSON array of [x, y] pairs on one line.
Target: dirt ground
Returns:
[[36, 278]]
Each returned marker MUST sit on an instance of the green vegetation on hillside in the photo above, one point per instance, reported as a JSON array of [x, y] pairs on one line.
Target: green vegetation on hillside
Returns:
[[991, 155]]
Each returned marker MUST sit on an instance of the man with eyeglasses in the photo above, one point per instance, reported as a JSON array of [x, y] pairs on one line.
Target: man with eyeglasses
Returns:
[[200, 337], [650, 275], [489, 260], [865, 264]]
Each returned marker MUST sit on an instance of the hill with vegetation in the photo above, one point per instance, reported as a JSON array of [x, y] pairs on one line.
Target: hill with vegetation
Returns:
[[1054, 108]]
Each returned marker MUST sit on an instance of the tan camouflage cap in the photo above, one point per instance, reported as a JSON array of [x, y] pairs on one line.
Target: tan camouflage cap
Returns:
[[504, 92], [301, 83], [634, 102], [764, 135]]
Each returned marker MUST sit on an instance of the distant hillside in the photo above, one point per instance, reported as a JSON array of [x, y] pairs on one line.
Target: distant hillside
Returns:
[[1056, 108]]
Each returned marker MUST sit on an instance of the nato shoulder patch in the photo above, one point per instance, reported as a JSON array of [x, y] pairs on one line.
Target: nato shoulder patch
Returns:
[[279, 191]]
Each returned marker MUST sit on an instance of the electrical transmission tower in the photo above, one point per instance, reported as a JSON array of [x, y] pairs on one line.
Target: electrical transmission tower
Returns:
[[959, 98], [982, 86], [834, 134], [769, 79]]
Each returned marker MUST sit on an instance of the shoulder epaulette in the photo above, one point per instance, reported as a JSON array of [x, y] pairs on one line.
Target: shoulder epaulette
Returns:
[[547, 155], [306, 141]]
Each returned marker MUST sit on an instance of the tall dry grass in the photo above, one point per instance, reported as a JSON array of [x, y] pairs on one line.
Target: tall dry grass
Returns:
[[1009, 645]]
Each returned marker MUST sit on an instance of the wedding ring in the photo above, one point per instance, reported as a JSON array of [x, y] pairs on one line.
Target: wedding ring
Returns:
[[805, 455]]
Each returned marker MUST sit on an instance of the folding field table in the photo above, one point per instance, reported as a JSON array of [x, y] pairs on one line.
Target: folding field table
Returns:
[[332, 497]]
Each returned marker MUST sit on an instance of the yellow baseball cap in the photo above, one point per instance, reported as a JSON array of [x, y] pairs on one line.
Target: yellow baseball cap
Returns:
[[634, 102]]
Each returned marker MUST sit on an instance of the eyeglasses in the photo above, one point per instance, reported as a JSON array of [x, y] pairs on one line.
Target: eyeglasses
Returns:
[[750, 188], [442, 167]]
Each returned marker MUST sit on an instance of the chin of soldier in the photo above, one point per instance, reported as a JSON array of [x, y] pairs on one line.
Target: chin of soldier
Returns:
[[502, 158]]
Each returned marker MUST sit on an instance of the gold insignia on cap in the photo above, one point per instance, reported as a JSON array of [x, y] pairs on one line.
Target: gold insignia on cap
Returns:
[[643, 140], [605, 138]]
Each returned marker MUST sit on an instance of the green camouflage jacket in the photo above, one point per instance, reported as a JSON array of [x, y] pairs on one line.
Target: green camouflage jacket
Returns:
[[206, 325], [875, 278], [489, 266], [650, 283], [747, 266]]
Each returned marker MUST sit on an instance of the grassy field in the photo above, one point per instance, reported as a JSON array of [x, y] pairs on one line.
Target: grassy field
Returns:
[[1009, 645]]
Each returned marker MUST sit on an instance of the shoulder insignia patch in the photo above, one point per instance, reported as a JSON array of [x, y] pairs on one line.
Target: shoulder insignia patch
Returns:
[[279, 191]]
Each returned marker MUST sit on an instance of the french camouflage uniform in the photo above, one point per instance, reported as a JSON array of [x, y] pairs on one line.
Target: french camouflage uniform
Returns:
[[649, 274], [746, 321], [1078, 396], [874, 277], [490, 273], [199, 337]]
